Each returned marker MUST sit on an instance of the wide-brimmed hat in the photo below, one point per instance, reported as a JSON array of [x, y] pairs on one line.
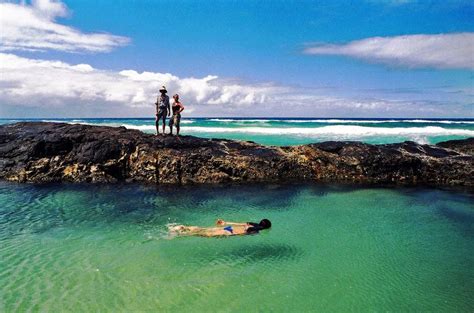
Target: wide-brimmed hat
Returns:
[[163, 88]]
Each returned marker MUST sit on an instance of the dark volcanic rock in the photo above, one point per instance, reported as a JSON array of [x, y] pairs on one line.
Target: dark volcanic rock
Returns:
[[55, 152], [463, 146]]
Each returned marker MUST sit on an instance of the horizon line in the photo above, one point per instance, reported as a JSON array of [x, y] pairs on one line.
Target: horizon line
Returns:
[[259, 117]]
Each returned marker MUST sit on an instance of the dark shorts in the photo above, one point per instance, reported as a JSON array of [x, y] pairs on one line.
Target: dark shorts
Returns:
[[161, 114], [175, 119]]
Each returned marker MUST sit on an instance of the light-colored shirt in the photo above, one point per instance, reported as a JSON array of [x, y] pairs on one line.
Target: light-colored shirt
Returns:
[[162, 103]]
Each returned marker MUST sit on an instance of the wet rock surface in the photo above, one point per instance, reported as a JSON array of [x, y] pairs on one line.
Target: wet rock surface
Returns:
[[58, 152]]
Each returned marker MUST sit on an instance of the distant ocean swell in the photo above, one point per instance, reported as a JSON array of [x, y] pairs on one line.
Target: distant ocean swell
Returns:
[[294, 131], [322, 121], [339, 121]]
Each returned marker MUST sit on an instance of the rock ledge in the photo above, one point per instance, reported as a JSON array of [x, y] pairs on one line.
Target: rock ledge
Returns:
[[58, 152]]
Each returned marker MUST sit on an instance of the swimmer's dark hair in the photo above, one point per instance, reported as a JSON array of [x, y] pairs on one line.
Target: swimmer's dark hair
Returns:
[[265, 223]]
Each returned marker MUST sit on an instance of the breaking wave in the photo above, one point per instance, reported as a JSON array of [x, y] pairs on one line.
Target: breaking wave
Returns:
[[336, 130], [340, 130]]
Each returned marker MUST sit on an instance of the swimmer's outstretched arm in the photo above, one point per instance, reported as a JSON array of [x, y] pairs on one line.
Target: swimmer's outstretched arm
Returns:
[[221, 222]]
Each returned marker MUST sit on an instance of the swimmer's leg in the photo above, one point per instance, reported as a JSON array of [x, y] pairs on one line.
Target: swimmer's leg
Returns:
[[175, 228], [185, 230]]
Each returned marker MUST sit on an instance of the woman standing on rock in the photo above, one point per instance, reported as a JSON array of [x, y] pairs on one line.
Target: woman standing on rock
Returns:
[[177, 108]]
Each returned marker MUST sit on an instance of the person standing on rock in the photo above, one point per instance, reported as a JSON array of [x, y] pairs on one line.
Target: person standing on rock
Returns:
[[162, 109], [177, 108]]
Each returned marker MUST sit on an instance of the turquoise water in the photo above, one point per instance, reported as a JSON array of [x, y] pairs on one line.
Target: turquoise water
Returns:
[[105, 248], [270, 131]]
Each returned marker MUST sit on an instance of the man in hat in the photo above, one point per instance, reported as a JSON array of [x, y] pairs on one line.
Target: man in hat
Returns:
[[162, 109]]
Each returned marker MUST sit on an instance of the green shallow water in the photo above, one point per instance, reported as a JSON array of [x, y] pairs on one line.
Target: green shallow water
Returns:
[[332, 249]]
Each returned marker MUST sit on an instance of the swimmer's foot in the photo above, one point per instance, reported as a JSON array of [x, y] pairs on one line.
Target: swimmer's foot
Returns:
[[177, 228]]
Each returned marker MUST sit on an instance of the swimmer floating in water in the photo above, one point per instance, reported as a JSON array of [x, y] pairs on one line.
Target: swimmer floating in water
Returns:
[[224, 229]]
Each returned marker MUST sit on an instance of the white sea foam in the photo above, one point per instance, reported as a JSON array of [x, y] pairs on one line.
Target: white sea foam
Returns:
[[54, 121], [140, 127], [339, 131], [72, 122], [348, 130], [222, 120], [231, 120]]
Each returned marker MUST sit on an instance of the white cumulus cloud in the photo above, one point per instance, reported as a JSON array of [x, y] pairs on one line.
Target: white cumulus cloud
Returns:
[[432, 51], [39, 88], [33, 82], [33, 28], [50, 8]]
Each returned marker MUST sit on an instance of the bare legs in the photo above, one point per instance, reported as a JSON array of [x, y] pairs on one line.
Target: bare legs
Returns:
[[171, 130], [186, 230], [172, 123], [157, 124], [182, 230]]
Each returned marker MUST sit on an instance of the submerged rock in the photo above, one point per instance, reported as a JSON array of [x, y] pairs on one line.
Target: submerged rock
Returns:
[[59, 152]]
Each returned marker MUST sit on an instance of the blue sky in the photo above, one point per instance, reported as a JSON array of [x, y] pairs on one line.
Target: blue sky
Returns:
[[242, 58]]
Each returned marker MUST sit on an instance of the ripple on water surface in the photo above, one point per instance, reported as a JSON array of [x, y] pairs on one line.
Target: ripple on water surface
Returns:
[[104, 248]]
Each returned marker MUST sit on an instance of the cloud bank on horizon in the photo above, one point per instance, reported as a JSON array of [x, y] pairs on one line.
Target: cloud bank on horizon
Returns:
[[82, 89], [36, 86], [65, 82]]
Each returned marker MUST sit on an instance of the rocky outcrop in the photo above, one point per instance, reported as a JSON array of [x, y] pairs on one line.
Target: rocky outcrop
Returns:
[[57, 152], [465, 146]]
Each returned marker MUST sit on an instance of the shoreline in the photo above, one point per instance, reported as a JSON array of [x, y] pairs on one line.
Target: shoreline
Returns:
[[331, 186], [43, 152]]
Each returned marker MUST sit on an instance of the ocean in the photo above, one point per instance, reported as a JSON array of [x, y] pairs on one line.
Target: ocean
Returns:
[[294, 131], [332, 248]]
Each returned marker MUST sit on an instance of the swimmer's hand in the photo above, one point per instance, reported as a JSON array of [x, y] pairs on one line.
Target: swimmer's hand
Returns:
[[220, 222]]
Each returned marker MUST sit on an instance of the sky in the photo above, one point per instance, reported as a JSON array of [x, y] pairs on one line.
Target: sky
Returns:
[[367, 58]]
